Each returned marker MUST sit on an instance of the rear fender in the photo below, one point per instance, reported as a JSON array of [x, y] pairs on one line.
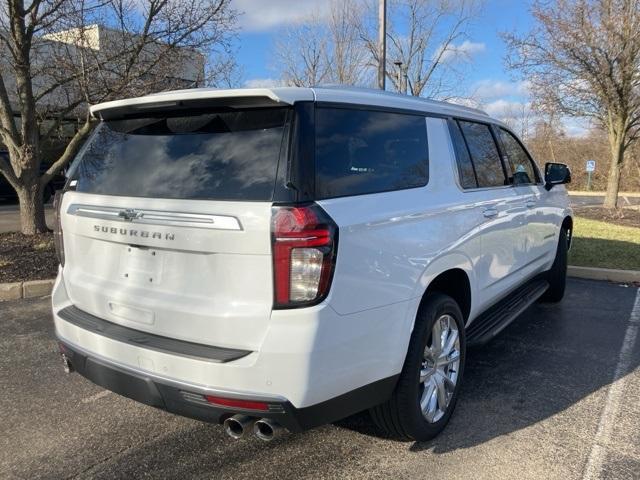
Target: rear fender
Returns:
[[449, 261]]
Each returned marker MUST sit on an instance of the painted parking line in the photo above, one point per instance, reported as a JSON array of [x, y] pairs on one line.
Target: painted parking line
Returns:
[[593, 468]]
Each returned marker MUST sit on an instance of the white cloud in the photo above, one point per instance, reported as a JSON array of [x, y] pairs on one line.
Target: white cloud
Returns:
[[262, 83], [576, 127], [259, 15], [507, 109], [463, 51], [491, 89]]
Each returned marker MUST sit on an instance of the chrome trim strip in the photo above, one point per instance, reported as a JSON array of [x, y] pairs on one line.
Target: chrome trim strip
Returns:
[[204, 390], [156, 217]]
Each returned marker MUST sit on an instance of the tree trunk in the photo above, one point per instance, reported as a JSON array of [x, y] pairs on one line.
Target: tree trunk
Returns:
[[32, 219], [613, 180]]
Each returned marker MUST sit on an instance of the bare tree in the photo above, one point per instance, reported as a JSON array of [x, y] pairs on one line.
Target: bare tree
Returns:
[[583, 58], [60, 55], [324, 49], [300, 53], [422, 36], [346, 57], [548, 141]]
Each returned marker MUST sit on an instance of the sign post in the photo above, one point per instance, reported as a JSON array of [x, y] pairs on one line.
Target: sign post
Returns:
[[591, 167]]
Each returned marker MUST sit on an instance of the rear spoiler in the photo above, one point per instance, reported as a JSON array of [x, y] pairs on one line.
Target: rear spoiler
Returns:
[[198, 99]]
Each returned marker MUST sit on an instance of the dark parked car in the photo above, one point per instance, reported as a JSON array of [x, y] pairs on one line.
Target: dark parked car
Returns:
[[7, 191]]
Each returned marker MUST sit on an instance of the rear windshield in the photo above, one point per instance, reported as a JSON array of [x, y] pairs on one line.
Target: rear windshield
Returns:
[[214, 155]]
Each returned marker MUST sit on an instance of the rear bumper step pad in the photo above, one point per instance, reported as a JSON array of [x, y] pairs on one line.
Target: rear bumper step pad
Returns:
[[86, 321]]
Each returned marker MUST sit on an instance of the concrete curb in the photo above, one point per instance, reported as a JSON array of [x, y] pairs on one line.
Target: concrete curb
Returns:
[[607, 274], [30, 289], [601, 194]]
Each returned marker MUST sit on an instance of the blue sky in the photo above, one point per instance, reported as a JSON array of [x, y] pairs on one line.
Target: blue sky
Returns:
[[486, 76]]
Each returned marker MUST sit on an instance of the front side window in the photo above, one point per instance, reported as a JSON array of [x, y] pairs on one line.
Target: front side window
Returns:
[[226, 155], [484, 154], [360, 151], [518, 159]]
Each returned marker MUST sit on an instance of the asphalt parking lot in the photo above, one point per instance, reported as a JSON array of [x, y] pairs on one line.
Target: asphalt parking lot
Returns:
[[540, 401]]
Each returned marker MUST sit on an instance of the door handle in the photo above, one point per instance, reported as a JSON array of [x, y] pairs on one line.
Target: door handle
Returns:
[[490, 212], [531, 203]]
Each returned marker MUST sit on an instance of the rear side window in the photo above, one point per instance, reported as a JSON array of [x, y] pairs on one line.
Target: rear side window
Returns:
[[360, 151], [518, 159], [484, 154], [229, 155]]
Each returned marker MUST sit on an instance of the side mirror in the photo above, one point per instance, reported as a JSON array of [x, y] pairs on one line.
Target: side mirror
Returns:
[[556, 174]]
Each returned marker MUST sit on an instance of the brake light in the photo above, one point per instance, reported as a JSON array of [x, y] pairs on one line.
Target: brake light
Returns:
[[304, 242], [58, 241]]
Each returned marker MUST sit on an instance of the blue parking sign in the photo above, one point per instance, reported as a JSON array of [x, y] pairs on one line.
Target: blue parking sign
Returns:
[[591, 165]]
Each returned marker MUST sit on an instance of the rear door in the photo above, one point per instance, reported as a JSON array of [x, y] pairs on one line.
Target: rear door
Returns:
[[166, 223]]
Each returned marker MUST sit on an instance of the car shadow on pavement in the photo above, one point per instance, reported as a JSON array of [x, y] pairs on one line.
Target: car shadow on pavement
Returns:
[[548, 360]]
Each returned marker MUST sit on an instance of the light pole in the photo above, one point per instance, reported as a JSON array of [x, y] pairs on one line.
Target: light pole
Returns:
[[382, 43]]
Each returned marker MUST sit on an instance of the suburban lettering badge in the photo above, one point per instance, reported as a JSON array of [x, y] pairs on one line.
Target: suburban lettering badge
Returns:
[[130, 232]]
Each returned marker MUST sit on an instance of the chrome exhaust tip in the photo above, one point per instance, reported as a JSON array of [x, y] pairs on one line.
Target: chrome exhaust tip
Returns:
[[237, 426], [266, 429]]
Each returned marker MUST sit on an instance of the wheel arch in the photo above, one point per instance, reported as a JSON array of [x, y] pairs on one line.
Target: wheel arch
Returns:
[[446, 275], [456, 284]]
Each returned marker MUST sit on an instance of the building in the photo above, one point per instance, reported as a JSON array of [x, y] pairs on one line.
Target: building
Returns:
[[185, 68], [99, 55]]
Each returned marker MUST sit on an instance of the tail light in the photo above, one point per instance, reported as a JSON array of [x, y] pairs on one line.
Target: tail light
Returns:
[[57, 227], [305, 241]]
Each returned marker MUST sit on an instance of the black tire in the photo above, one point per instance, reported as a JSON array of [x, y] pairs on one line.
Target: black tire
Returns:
[[401, 416], [557, 274]]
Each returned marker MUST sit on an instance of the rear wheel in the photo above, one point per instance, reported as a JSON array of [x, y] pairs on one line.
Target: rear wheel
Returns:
[[427, 389], [557, 275]]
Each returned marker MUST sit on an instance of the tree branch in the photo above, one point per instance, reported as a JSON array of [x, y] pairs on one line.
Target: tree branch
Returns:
[[72, 149]]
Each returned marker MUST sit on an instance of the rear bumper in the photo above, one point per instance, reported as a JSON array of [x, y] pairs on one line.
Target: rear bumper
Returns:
[[313, 364], [189, 400]]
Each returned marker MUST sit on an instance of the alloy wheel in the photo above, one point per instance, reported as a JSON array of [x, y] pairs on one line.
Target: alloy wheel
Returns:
[[439, 369]]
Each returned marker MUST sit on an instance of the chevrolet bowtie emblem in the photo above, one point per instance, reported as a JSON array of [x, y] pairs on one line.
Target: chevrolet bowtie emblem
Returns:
[[129, 214]]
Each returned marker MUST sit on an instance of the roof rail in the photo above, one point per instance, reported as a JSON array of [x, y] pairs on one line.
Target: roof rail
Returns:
[[375, 91]]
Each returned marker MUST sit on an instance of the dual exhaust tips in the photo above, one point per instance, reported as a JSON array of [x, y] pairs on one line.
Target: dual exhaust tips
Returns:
[[239, 425]]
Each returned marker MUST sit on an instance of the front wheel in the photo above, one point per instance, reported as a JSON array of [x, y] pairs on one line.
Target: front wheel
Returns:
[[427, 389]]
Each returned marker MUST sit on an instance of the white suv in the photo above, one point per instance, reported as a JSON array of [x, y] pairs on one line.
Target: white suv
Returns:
[[286, 257]]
